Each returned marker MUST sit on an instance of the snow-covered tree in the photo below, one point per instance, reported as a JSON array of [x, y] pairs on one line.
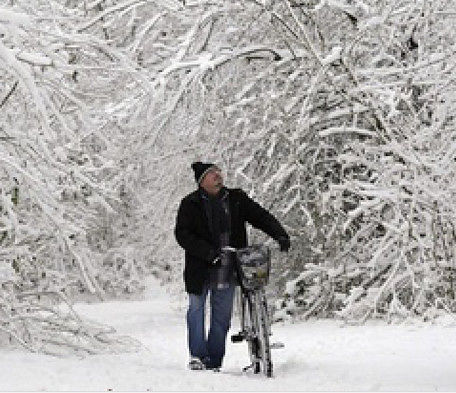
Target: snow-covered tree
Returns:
[[65, 96], [335, 114]]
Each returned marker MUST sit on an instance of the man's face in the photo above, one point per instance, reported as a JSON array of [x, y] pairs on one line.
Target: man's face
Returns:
[[213, 181]]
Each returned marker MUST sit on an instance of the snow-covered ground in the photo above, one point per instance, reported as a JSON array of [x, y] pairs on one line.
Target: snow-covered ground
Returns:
[[319, 355]]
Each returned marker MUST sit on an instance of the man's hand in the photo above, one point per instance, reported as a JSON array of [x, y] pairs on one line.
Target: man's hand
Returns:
[[222, 255], [216, 261], [284, 243], [214, 258]]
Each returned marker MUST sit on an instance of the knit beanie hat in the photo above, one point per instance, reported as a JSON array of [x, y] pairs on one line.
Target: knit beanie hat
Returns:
[[201, 168]]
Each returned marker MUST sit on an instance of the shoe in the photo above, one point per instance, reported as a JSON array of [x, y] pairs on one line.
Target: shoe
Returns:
[[196, 364], [215, 369]]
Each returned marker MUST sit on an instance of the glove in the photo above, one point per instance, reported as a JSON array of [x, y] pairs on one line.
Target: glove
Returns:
[[215, 259], [220, 256], [216, 262], [284, 243]]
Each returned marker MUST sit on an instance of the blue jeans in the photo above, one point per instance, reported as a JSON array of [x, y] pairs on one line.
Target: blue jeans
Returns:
[[212, 349]]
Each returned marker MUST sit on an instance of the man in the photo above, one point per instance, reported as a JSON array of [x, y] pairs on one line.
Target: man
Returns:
[[209, 219]]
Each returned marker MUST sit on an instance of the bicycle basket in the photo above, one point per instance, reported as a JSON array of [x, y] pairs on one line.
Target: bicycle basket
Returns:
[[254, 263]]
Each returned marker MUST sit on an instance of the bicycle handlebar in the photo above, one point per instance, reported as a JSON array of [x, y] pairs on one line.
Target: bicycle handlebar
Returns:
[[229, 248]]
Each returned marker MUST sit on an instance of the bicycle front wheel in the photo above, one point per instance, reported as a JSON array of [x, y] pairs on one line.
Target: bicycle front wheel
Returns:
[[251, 327], [264, 349]]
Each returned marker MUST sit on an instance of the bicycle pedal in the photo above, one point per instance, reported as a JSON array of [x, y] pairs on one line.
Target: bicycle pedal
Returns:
[[246, 368], [277, 345], [237, 338]]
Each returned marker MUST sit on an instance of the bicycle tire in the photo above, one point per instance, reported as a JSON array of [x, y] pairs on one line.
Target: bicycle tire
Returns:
[[264, 333], [254, 347]]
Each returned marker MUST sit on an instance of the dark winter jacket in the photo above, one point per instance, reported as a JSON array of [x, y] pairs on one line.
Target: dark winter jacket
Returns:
[[194, 236]]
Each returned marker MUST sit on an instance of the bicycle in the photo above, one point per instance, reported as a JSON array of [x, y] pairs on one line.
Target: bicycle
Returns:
[[253, 265]]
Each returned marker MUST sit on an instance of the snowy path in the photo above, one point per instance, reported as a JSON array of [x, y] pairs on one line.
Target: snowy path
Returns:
[[319, 355]]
